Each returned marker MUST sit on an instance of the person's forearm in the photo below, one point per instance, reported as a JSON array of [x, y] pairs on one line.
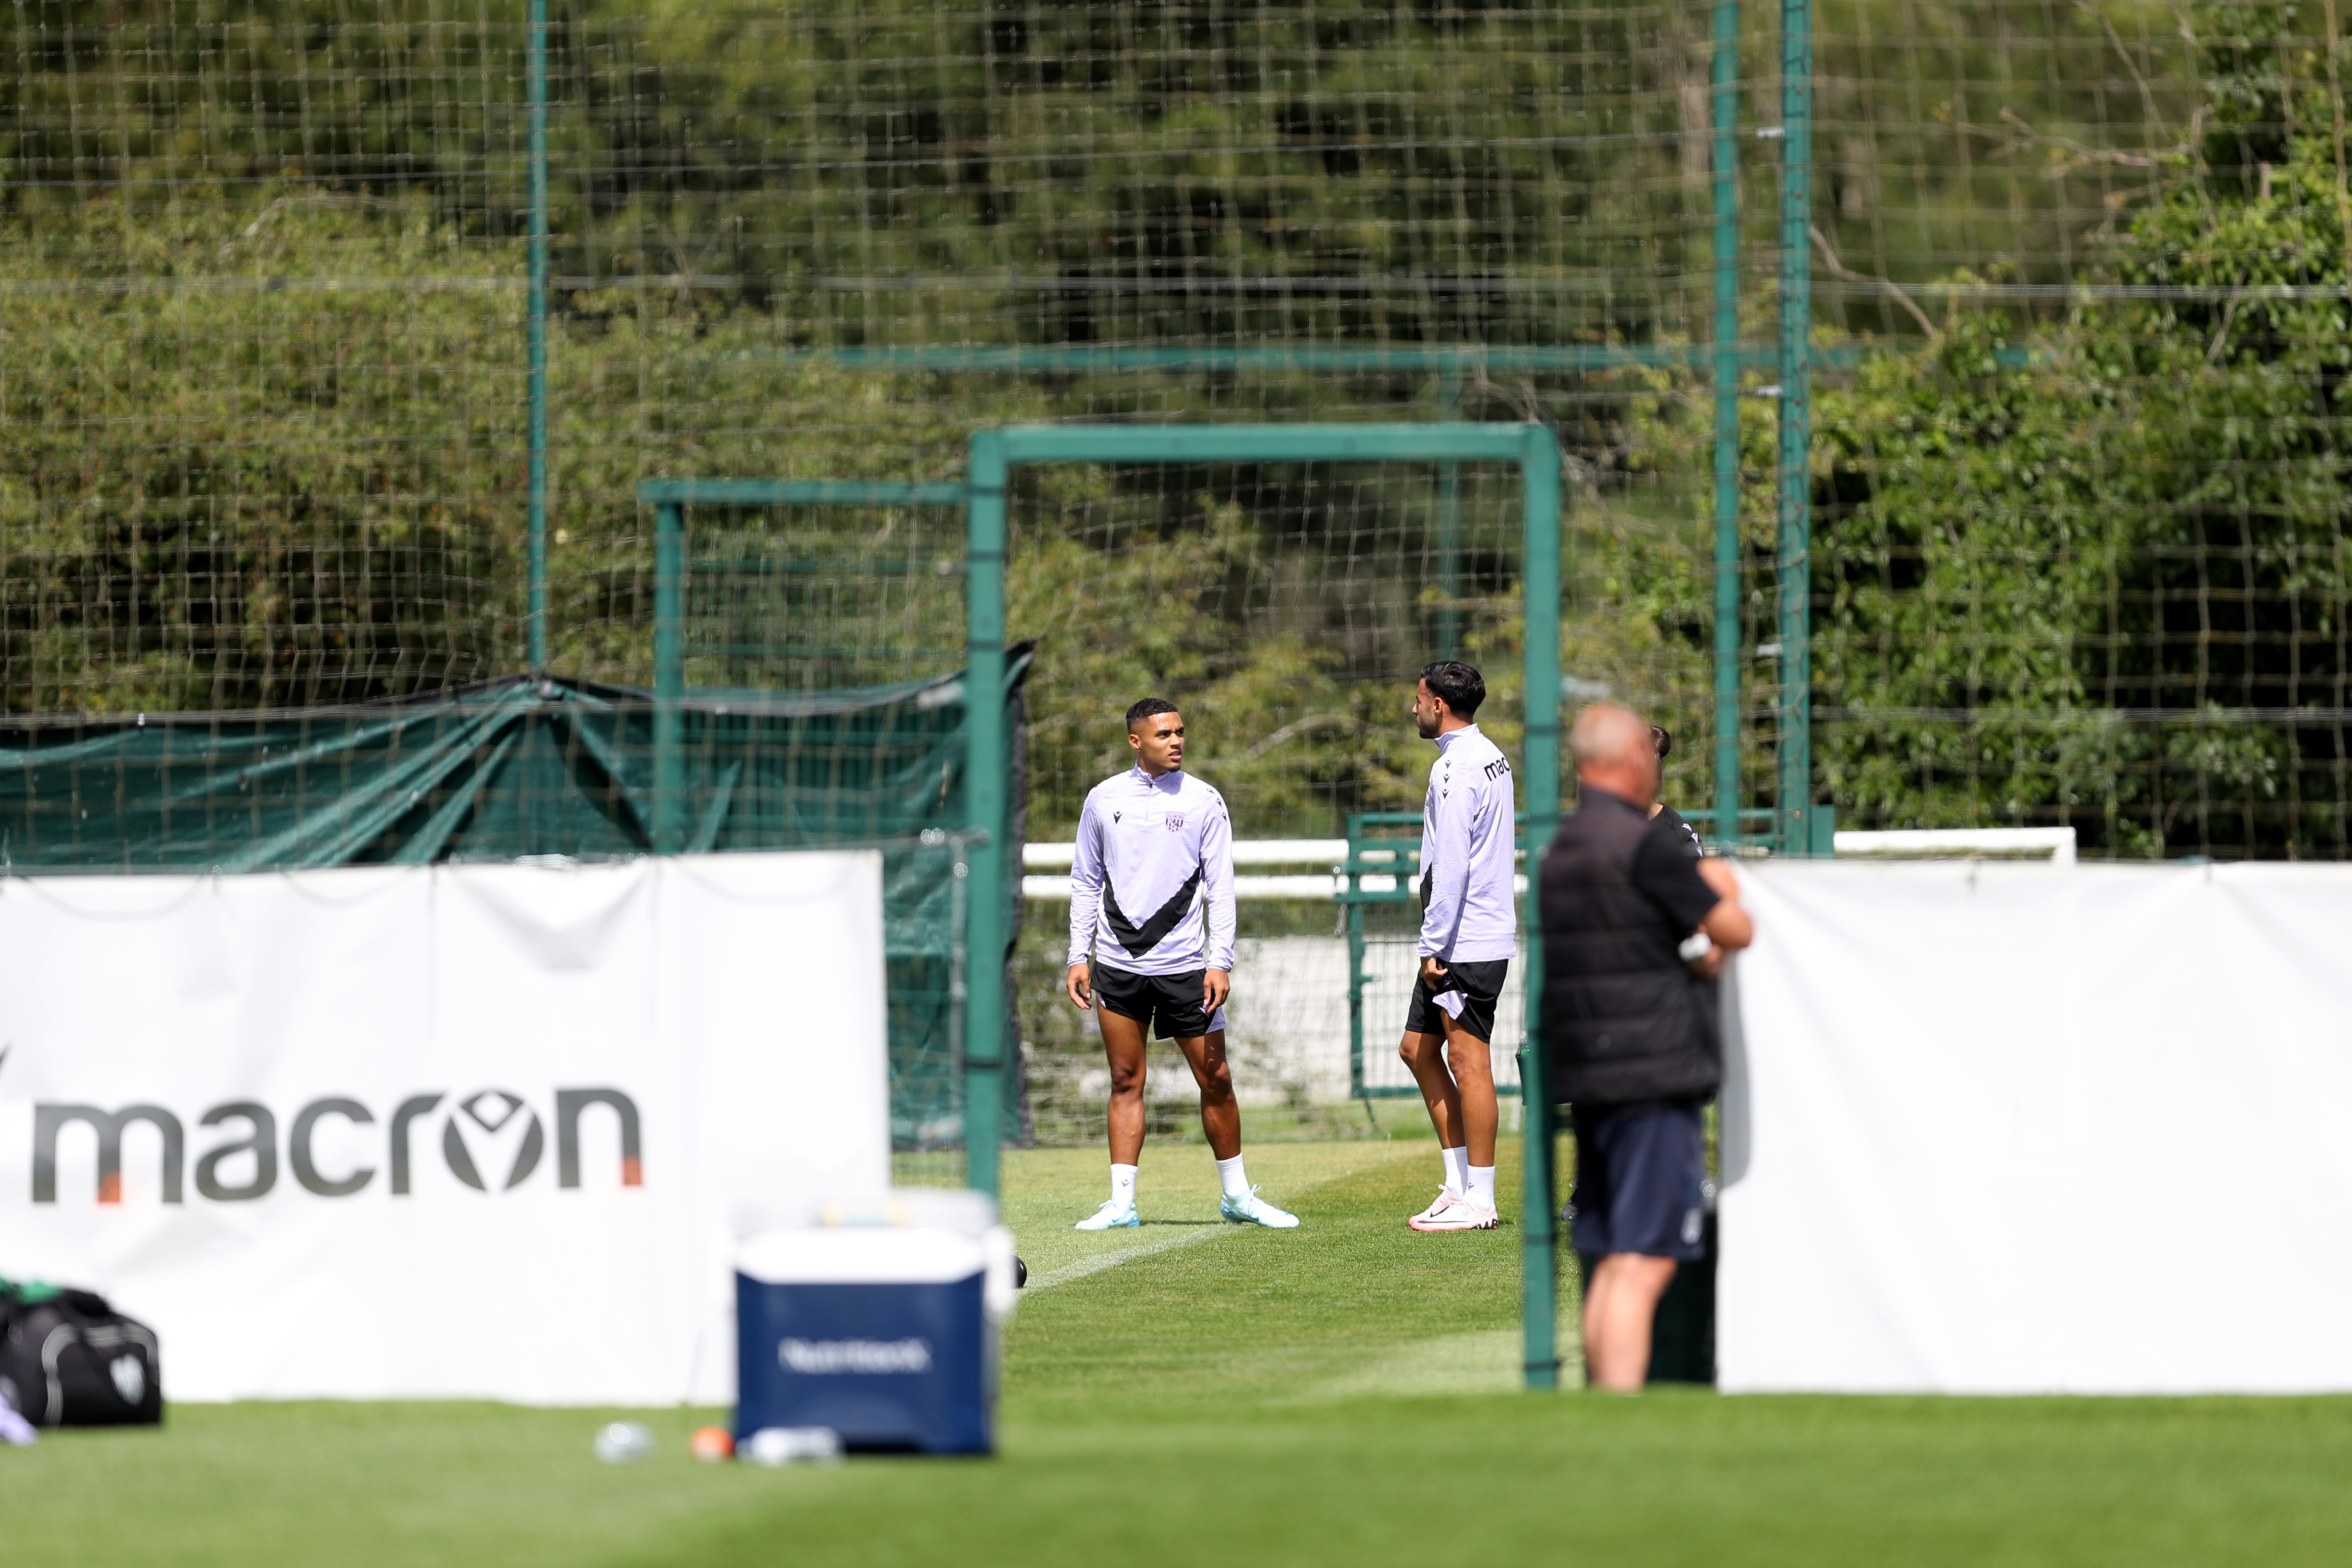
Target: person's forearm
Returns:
[[1086, 910], [1439, 924], [1217, 896], [1728, 926], [1449, 888], [1223, 925], [1718, 874], [1085, 887]]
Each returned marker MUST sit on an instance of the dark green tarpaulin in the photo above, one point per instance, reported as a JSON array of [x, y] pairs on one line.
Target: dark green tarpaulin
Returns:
[[533, 766]]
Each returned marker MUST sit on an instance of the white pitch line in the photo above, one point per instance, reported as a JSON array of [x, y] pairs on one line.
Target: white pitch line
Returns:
[[1191, 1237]]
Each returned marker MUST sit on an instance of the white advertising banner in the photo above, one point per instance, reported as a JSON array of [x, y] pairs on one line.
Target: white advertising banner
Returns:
[[476, 1130], [2011, 1129]]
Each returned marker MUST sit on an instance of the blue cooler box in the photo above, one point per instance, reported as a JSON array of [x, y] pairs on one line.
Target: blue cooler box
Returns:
[[880, 1324]]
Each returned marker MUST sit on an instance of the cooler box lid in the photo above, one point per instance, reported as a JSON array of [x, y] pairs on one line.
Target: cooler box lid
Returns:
[[861, 1255]]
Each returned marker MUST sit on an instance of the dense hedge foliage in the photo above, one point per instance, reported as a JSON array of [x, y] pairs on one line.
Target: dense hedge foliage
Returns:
[[2109, 585], [260, 382]]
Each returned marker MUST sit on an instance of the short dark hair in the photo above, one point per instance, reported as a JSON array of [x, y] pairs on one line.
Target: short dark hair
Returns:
[[1146, 708], [1458, 685], [1662, 738]]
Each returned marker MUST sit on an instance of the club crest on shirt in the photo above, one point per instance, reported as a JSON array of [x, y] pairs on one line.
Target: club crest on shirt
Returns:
[[1176, 821]]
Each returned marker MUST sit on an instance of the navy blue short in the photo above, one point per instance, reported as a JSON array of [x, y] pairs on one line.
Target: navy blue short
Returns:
[[1640, 1176]]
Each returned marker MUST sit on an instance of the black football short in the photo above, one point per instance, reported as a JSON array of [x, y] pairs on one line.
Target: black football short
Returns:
[[1479, 984], [1167, 1005]]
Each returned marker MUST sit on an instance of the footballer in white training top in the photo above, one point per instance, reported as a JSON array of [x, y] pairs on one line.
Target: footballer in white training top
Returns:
[[1152, 951], [1469, 932]]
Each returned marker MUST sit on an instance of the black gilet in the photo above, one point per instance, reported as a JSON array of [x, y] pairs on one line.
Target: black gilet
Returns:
[[1624, 1020]]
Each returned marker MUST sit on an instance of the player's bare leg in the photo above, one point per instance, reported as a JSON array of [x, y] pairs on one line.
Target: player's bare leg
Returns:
[[1471, 1066], [1221, 1113], [1425, 1057], [1456, 1075], [1123, 1043], [1621, 1304], [1220, 1121]]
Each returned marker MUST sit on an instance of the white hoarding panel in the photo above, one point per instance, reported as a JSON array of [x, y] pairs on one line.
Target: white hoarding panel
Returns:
[[2006, 1129], [482, 1130]]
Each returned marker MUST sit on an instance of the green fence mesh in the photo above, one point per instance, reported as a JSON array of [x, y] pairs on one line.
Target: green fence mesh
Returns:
[[531, 767], [2079, 284]]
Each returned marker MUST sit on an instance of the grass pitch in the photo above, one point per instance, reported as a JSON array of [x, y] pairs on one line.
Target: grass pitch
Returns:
[[1341, 1393]]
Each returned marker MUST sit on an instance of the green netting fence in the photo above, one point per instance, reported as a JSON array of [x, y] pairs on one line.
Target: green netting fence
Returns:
[[550, 770], [2072, 277]]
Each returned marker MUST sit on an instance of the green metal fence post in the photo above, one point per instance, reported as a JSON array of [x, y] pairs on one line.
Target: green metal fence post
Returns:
[[1355, 922], [1540, 757], [535, 618], [669, 676], [1449, 529], [1727, 640], [985, 812], [1793, 791]]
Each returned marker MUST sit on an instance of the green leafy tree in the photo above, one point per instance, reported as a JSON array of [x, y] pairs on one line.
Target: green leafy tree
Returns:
[[2106, 585]]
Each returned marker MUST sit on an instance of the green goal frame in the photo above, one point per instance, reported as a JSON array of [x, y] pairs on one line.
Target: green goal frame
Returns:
[[995, 455]]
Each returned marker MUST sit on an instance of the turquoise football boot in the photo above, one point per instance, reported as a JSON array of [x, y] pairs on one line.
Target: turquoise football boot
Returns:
[[1251, 1209]]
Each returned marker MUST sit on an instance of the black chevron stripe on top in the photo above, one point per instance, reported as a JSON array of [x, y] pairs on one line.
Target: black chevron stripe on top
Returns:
[[1141, 939]]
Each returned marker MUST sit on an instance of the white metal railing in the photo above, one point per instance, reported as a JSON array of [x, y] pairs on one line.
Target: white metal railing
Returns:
[[1048, 865], [1332, 853], [2053, 844], [1293, 852], [1246, 852]]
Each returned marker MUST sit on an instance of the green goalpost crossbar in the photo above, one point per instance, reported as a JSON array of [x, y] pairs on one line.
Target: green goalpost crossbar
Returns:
[[995, 455]]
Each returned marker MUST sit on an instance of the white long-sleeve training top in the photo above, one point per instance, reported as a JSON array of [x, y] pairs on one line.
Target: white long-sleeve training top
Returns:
[[1152, 887], [1467, 834]]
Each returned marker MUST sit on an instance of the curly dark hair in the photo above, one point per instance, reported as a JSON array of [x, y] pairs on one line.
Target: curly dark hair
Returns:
[[1458, 685]]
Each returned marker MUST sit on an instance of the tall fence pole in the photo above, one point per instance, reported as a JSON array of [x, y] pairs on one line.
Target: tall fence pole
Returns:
[[670, 678], [1449, 527], [535, 623], [1727, 639], [1539, 756], [985, 752], [1793, 792]]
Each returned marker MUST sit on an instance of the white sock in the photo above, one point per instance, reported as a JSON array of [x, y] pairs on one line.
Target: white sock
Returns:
[[1482, 1184], [1457, 1170], [1122, 1185], [1229, 1176]]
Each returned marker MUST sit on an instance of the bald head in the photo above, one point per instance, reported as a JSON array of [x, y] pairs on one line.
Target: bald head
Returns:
[[1613, 750], [1608, 733]]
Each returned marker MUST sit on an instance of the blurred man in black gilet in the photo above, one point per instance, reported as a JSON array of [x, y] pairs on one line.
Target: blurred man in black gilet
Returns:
[[1630, 1027]]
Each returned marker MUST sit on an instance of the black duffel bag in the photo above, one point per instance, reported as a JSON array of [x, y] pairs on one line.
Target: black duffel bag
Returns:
[[67, 1359]]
